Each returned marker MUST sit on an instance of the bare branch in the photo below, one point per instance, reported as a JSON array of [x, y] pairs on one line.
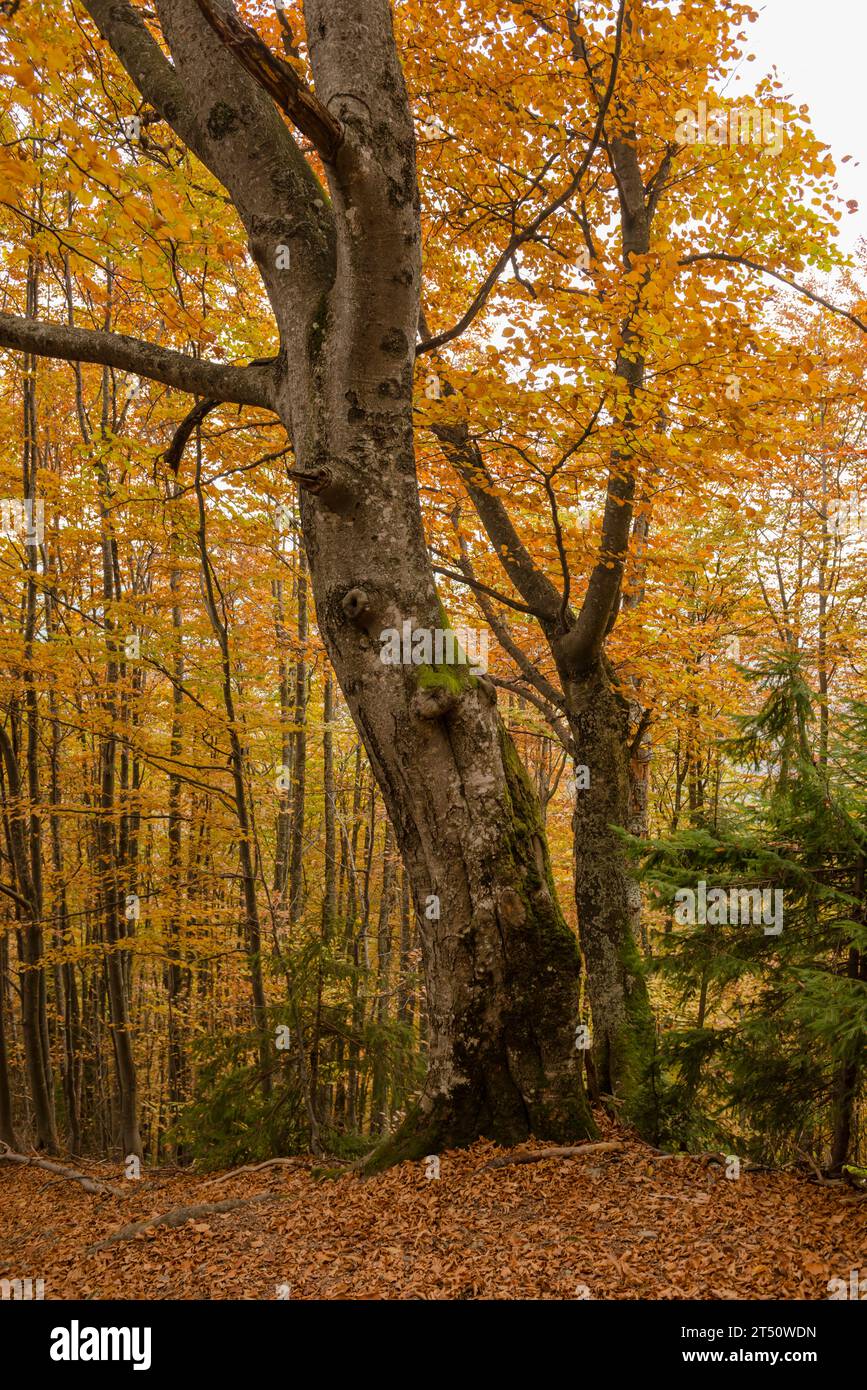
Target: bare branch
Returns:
[[541, 597], [730, 258], [551, 717], [483, 588], [527, 233], [530, 672], [123, 28], [178, 1216], [567, 1151], [8, 1155]]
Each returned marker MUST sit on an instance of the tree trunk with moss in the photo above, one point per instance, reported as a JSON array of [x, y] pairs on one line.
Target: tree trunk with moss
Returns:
[[501, 967], [623, 1026]]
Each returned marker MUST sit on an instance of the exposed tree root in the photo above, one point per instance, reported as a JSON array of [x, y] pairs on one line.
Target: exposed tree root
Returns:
[[7, 1155], [567, 1151], [256, 1168], [178, 1217]]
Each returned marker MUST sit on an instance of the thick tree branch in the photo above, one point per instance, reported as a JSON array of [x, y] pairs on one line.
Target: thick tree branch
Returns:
[[179, 1216], [254, 385], [570, 1151], [8, 1155], [581, 645], [278, 79], [175, 452]]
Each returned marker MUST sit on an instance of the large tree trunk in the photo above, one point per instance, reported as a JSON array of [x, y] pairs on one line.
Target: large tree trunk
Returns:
[[501, 966]]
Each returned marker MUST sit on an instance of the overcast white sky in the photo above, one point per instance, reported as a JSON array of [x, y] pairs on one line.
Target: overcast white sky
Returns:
[[819, 48]]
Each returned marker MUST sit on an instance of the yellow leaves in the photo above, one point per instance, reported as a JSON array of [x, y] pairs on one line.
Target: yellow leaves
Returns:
[[16, 171], [24, 76], [474, 390]]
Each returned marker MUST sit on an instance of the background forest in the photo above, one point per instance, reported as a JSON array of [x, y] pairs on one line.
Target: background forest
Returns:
[[210, 948]]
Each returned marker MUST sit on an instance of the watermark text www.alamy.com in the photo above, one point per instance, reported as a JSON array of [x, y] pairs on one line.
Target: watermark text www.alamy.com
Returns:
[[853, 1287], [721, 907], [736, 125], [426, 646]]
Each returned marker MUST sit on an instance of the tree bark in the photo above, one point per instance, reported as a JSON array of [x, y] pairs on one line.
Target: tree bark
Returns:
[[623, 1028], [7, 1126]]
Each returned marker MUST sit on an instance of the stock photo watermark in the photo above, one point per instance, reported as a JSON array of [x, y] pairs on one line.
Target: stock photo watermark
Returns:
[[855, 1287], [77, 1343], [734, 907], [847, 518], [22, 520], [22, 1290], [738, 125], [425, 646]]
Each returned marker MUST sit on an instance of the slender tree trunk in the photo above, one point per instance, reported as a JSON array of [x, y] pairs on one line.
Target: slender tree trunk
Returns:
[[29, 940], [355, 1003], [849, 1071], [405, 971], [252, 931], [284, 808], [299, 756], [846, 1083], [379, 1088], [176, 978], [29, 856], [623, 1029], [329, 897], [114, 925], [7, 1129]]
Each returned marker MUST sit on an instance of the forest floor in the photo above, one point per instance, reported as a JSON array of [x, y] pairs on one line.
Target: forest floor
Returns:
[[611, 1224]]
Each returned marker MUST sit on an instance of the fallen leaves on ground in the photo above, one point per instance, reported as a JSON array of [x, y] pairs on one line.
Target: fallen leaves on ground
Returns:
[[622, 1225]]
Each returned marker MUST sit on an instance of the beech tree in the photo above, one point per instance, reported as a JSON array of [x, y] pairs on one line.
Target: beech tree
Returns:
[[622, 223], [331, 214]]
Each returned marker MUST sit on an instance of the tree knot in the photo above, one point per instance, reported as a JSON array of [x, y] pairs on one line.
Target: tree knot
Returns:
[[356, 605]]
